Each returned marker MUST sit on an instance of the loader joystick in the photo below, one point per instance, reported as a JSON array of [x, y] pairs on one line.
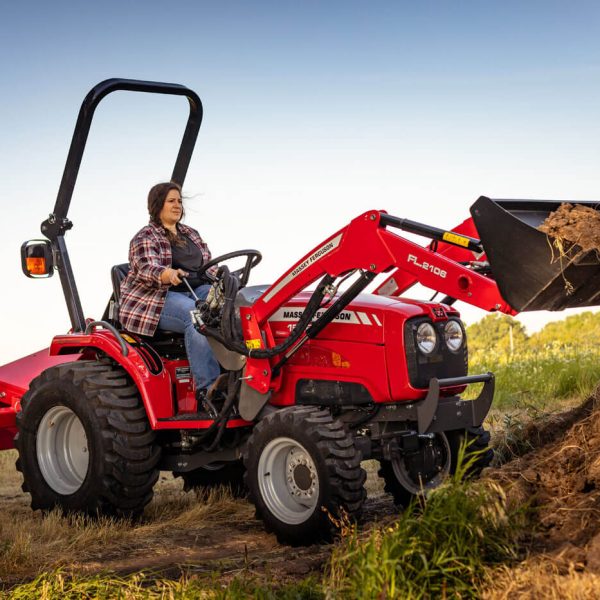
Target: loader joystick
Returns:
[[253, 257]]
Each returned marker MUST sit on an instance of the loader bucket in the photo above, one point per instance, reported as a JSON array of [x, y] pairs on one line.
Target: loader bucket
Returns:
[[530, 273]]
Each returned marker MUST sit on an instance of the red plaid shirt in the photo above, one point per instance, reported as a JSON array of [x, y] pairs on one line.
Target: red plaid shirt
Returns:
[[142, 292]]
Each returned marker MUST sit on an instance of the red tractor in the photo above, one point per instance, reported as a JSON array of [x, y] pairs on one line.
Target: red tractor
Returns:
[[313, 382]]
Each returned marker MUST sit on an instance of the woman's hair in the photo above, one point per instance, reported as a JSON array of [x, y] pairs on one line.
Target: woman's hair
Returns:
[[156, 200]]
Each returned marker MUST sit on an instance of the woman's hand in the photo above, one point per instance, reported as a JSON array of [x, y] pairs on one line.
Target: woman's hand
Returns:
[[172, 276]]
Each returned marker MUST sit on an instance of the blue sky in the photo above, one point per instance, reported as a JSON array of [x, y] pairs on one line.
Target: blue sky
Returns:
[[314, 113]]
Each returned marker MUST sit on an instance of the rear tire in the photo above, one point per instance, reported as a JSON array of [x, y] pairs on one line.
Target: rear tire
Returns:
[[84, 441], [229, 475], [302, 468]]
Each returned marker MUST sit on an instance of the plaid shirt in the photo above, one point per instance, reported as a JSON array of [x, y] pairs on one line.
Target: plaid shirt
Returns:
[[142, 292]]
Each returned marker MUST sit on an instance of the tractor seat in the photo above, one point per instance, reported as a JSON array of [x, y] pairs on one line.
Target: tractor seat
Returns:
[[117, 275]]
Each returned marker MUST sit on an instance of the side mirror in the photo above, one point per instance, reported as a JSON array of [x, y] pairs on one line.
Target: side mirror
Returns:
[[37, 260]]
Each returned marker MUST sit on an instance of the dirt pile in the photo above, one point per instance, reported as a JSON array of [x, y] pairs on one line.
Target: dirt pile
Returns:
[[560, 480], [573, 224]]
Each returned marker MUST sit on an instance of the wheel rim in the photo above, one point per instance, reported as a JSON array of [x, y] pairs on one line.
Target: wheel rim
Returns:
[[417, 487], [288, 480], [62, 450]]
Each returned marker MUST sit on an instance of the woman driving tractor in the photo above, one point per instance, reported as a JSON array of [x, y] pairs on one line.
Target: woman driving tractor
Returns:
[[153, 295]]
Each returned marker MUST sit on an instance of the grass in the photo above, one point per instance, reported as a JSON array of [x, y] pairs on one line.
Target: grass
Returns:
[[540, 578], [32, 543], [540, 378], [148, 586], [440, 547], [436, 549]]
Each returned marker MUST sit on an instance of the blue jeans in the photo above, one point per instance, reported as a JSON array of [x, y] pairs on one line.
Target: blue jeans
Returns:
[[175, 316]]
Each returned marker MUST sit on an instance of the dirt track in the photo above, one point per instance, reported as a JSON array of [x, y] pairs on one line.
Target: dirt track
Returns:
[[181, 533]]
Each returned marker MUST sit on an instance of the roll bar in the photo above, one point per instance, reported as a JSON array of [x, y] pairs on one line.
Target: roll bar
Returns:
[[57, 223]]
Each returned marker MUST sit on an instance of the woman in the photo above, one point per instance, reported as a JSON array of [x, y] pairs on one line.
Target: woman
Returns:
[[153, 294]]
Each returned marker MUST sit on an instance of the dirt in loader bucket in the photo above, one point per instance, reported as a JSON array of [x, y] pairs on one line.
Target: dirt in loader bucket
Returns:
[[543, 254], [573, 224]]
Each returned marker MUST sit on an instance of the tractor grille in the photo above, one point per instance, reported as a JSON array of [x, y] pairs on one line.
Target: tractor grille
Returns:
[[441, 363]]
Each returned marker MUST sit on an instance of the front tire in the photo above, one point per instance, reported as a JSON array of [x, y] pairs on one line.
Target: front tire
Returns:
[[84, 441], [477, 449], [404, 480], [302, 469]]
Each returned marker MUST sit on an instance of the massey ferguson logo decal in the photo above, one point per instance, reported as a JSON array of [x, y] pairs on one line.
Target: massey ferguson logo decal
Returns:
[[316, 255], [293, 314], [427, 266], [311, 259]]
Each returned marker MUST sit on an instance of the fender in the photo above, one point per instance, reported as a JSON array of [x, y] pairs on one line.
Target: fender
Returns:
[[155, 389]]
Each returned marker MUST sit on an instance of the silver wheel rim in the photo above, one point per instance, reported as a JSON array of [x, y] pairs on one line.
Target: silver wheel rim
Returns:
[[62, 450], [288, 480], [417, 487]]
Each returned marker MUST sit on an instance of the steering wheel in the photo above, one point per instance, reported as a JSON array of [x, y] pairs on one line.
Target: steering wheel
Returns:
[[253, 257]]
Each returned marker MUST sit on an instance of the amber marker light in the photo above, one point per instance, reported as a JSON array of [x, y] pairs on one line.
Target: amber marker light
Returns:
[[37, 260], [36, 266]]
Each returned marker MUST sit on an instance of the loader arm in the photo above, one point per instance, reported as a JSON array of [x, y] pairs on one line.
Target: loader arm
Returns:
[[399, 281], [367, 245]]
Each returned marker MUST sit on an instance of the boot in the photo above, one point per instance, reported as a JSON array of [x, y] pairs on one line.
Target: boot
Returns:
[[217, 387], [204, 402]]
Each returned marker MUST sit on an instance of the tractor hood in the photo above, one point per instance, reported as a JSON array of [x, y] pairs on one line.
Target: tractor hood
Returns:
[[362, 320]]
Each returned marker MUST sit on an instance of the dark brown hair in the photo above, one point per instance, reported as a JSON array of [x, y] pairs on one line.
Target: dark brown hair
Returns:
[[156, 200]]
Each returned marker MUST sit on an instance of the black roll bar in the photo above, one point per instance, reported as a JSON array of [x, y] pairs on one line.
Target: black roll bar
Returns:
[[57, 223]]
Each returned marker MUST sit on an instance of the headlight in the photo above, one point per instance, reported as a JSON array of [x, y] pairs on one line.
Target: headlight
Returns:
[[426, 338], [453, 335]]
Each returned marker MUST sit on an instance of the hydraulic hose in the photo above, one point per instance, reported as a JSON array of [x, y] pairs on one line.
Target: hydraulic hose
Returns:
[[226, 410], [220, 423]]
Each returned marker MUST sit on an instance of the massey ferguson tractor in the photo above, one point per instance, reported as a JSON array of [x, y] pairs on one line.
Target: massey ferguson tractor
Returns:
[[317, 375]]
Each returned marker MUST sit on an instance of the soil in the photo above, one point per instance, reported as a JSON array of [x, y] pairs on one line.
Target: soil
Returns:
[[560, 481], [574, 224]]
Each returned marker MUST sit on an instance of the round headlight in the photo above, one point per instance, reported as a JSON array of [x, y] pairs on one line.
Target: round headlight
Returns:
[[453, 335], [426, 338]]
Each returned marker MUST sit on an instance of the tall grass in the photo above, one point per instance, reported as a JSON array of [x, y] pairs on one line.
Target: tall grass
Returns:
[[438, 549], [540, 377]]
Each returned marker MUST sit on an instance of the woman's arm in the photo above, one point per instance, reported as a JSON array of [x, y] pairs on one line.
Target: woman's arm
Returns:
[[147, 260]]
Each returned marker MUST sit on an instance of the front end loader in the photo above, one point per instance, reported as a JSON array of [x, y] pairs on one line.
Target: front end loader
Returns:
[[317, 374]]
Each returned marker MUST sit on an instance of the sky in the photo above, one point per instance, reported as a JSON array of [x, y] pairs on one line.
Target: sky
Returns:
[[314, 112]]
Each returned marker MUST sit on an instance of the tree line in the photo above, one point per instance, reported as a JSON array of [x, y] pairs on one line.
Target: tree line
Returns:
[[506, 335]]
